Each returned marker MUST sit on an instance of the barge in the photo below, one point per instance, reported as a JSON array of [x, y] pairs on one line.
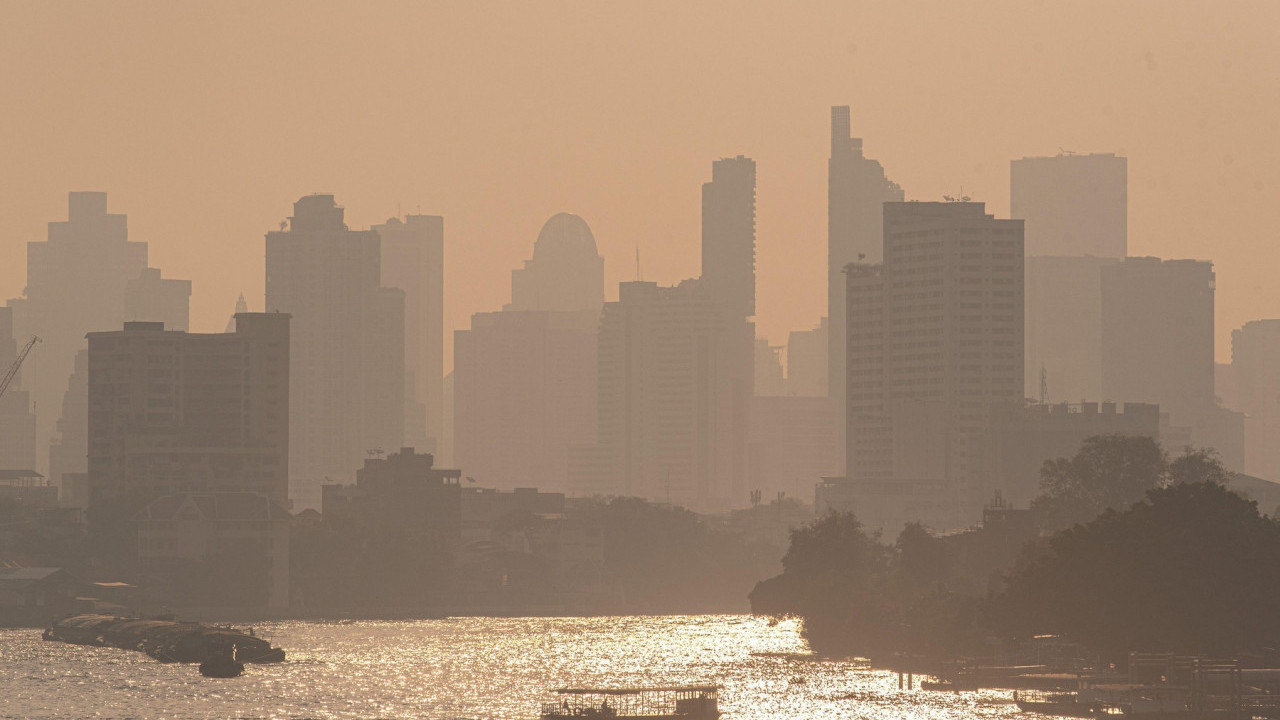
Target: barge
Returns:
[[164, 640]]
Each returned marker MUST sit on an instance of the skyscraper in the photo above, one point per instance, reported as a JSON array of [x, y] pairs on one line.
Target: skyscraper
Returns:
[[413, 261], [17, 422], [89, 252], [525, 379], [347, 356], [729, 235], [1064, 327], [935, 338], [1073, 205], [857, 190], [566, 272], [1255, 362]]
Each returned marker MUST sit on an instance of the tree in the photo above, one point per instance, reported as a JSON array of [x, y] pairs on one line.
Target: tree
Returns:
[[1109, 471]]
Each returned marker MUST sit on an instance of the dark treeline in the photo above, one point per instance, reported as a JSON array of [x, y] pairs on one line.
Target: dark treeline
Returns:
[[1128, 551]]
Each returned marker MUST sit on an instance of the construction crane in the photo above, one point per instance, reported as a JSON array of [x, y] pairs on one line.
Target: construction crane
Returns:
[[13, 369]]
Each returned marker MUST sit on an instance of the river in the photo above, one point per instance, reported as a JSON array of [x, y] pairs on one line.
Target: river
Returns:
[[471, 668]]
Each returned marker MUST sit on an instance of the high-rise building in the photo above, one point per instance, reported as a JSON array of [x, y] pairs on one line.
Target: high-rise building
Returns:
[[729, 235], [935, 338], [1073, 205], [1157, 335], [857, 190], [672, 400], [413, 261], [525, 377], [175, 412], [1064, 327], [347, 355], [770, 380], [69, 448], [525, 392], [17, 422], [807, 362], [566, 272], [89, 252], [152, 298], [1255, 368]]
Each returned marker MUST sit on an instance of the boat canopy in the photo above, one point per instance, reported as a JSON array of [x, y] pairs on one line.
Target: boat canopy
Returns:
[[638, 690]]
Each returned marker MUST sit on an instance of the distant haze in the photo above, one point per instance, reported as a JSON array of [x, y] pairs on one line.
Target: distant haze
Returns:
[[205, 121]]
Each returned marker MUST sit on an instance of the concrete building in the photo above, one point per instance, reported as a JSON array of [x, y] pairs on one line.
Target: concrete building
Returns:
[[174, 412], [729, 235], [566, 272], [403, 496], [1073, 205], [152, 298], [191, 527], [1255, 370], [17, 421], [857, 190], [674, 384], [348, 393], [69, 449], [935, 337], [525, 392], [792, 444], [91, 253], [1022, 437], [1064, 327], [807, 362], [413, 261], [770, 378]]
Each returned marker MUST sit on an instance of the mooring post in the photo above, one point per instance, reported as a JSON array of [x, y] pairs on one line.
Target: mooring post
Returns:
[[910, 679]]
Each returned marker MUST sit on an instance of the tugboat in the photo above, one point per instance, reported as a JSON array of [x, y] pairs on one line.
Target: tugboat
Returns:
[[221, 662], [679, 702]]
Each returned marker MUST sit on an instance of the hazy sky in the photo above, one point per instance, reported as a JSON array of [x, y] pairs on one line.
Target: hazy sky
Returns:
[[205, 121]]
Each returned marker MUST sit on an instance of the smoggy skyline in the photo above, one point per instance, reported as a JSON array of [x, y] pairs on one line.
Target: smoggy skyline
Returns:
[[498, 117]]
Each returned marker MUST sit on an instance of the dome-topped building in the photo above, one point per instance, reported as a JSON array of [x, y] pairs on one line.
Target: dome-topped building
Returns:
[[566, 272]]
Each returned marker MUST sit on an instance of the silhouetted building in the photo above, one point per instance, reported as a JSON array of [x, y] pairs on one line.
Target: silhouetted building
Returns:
[[172, 412], [152, 298], [235, 528], [78, 281], [807, 362], [769, 378], [348, 395], [792, 443], [1064, 327], [1022, 437], [17, 421], [484, 509], [525, 392], [1073, 205], [413, 261], [729, 235], [857, 190], [935, 337], [566, 272], [674, 384], [69, 449], [1255, 366], [403, 496]]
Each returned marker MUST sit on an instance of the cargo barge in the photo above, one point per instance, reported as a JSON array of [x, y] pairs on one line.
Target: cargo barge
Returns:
[[164, 640]]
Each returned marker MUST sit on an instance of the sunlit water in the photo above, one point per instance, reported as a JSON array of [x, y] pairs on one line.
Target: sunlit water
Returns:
[[470, 668]]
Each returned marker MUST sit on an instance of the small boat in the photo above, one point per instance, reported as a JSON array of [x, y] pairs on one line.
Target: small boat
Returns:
[[221, 663], [1063, 704], [681, 702]]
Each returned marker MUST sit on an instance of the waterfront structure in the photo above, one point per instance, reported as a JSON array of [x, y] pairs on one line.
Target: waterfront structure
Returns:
[[91, 253], [674, 384], [729, 235], [1073, 205], [403, 497], [413, 261], [182, 528], [347, 397], [566, 272], [807, 361], [17, 421], [1064, 328], [171, 411], [857, 190], [1255, 368], [1021, 437], [935, 336], [525, 392]]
